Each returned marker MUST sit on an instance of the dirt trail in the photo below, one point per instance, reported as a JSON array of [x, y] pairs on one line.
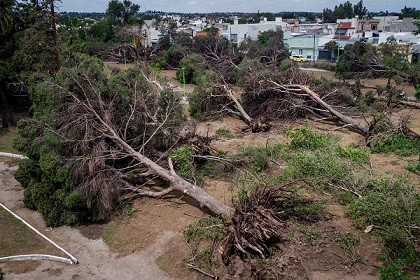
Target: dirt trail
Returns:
[[96, 261]]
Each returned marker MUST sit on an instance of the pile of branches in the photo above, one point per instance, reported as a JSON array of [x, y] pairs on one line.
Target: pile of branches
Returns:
[[121, 53], [272, 95]]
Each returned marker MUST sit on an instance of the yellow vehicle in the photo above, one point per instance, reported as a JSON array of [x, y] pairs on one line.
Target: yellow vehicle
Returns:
[[298, 58]]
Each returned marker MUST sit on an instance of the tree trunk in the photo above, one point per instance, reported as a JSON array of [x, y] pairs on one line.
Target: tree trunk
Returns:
[[6, 112], [238, 106], [414, 104], [177, 182], [345, 119], [54, 35]]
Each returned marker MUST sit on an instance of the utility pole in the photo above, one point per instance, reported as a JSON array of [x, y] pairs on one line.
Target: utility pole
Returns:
[[314, 48], [338, 45]]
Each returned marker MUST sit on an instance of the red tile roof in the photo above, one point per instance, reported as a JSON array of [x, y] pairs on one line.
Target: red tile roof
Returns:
[[201, 34], [341, 37], [345, 25]]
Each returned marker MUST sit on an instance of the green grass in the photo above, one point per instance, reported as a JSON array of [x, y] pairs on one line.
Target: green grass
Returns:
[[6, 141], [397, 144], [208, 228], [413, 166], [17, 239], [109, 232], [224, 133], [390, 204]]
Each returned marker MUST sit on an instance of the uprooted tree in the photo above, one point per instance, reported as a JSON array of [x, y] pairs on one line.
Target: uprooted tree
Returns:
[[95, 141]]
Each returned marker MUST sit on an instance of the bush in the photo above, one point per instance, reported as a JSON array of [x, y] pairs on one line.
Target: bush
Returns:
[[305, 138], [183, 162], [191, 69], [393, 271], [260, 156], [358, 155], [398, 144]]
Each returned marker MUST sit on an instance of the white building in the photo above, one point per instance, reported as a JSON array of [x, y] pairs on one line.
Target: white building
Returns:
[[237, 33], [149, 33]]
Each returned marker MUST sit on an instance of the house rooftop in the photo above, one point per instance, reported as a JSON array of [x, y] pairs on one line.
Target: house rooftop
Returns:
[[345, 25]]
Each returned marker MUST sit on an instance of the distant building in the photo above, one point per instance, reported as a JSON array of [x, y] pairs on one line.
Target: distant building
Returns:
[[305, 45], [237, 33], [149, 33]]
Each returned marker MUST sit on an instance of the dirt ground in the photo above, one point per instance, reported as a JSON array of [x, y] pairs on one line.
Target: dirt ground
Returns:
[[146, 241]]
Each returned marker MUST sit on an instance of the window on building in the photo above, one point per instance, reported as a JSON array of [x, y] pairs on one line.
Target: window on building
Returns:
[[300, 51], [234, 38]]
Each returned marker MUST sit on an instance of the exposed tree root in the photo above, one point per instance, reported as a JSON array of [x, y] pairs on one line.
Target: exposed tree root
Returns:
[[256, 226]]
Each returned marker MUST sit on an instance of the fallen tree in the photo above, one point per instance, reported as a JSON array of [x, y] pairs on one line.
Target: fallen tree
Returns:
[[115, 136]]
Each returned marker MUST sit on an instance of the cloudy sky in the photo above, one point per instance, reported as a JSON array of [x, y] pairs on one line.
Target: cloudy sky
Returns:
[[206, 6]]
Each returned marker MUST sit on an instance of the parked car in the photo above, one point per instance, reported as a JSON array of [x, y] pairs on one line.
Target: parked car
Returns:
[[298, 58]]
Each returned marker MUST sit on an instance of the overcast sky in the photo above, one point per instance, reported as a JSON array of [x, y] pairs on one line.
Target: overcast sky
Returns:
[[207, 6]]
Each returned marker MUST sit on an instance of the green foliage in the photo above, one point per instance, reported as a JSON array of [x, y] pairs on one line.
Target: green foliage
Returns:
[[285, 65], [208, 228], [303, 209], [305, 138], [102, 31], [270, 44], [398, 144], [260, 156], [191, 69], [356, 58], [122, 12], [224, 133], [183, 162], [393, 207], [414, 166], [394, 271], [349, 244], [417, 94], [358, 155], [200, 107]]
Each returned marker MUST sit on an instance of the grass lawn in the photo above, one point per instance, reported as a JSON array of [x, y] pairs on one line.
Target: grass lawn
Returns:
[[16, 238]]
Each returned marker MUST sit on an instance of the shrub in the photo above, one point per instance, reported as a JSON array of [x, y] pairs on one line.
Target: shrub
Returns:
[[260, 156], [305, 138], [183, 162], [191, 69], [393, 271], [398, 144], [358, 155]]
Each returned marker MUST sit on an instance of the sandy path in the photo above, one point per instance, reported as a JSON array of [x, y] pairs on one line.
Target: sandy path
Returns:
[[95, 259]]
